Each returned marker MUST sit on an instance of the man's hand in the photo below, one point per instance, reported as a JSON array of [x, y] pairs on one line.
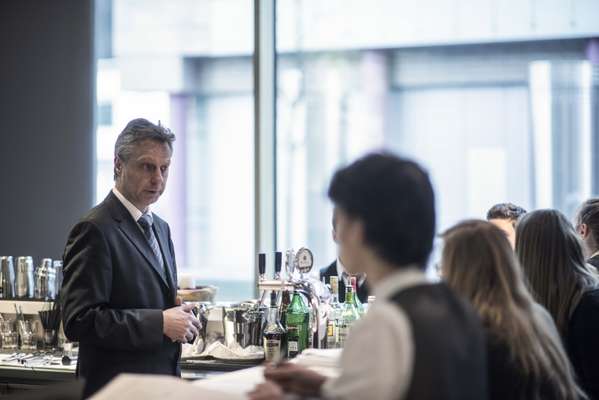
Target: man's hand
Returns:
[[179, 324], [295, 379], [266, 391]]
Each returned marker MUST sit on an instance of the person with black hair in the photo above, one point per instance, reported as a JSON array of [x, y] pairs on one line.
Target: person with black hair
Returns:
[[587, 226], [418, 340], [505, 216], [337, 268]]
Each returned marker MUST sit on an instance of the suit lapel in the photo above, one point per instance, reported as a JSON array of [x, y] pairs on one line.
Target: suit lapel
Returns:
[[131, 230]]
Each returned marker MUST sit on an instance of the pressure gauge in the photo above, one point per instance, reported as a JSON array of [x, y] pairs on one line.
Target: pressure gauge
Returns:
[[304, 260]]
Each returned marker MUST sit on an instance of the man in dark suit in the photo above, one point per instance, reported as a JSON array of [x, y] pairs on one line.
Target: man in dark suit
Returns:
[[120, 280], [336, 268]]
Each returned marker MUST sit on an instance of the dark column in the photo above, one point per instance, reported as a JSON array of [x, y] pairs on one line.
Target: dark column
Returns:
[[47, 154]]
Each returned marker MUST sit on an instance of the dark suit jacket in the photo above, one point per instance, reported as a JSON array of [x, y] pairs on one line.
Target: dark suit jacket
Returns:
[[331, 270], [113, 295], [581, 342]]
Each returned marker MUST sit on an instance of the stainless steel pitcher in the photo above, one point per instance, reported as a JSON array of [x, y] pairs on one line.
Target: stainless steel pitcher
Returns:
[[57, 264], [24, 277], [243, 324], [43, 287], [7, 278]]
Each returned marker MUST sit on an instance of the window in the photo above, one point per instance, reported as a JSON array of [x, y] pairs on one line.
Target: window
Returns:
[[357, 76], [178, 62], [498, 103]]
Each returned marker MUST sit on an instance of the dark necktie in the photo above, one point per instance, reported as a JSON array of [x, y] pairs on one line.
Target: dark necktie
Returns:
[[146, 221]]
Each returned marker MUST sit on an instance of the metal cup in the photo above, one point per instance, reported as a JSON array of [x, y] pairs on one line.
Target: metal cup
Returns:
[[7, 278], [243, 324], [24, 277], [57, 264], [42, 288]]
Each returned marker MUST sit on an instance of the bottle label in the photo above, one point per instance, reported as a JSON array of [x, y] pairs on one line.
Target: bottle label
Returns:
[[331, 337], [330, 329], [272, 350], [297, 331], [292, 349]]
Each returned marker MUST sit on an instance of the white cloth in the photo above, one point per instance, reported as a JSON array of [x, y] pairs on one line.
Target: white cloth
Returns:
[[378, 357]]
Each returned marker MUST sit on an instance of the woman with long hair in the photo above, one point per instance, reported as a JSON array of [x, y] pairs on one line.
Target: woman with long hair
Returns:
[[526, 359], [552, 259]]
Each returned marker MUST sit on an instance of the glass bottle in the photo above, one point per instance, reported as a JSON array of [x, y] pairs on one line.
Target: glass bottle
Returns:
[[349, 315], [297, 325], [335, 309], [274, 333], [357, 302]]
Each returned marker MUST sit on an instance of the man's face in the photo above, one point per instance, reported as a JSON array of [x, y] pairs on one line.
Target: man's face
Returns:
[[349, 238], [142, 179], [507, 226]]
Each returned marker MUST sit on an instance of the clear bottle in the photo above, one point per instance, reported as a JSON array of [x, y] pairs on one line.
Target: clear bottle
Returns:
[[335, 309], [349, 315], [297, 322], [274, 333]]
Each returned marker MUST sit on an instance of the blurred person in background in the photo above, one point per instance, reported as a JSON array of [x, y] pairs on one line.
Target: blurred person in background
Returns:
[[505, 216], [525, 356], [418, 340], [587, 226], [553, 262], [337, 268]]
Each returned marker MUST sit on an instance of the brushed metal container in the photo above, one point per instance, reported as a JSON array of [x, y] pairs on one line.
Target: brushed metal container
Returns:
[[24, 277], [57, 264], [43, 287], [7, 278]]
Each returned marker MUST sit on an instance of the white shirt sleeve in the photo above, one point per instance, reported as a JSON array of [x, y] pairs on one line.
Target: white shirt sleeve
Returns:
[[377, 359]]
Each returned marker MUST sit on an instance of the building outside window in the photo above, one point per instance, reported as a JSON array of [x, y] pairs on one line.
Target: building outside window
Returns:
[[498, 105]]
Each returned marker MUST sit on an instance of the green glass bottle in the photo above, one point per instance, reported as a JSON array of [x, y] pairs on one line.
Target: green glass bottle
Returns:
[[349, 315], [297, 325]]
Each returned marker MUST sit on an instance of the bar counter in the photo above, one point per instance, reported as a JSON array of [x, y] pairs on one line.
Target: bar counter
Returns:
[[15, 376]]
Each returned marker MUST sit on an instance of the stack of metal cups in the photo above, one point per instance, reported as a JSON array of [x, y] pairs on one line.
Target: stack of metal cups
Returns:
[[57, 264], [24, 277], [45, 277], [7, 278]]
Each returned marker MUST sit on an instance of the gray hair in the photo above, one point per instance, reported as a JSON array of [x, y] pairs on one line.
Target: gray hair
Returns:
[[138, 130]]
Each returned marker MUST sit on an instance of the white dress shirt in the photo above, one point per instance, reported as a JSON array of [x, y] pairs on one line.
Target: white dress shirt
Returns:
[[134, 211], [378, 356], [342, 274]]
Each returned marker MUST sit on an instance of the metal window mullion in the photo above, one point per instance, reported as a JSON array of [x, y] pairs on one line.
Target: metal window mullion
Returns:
[[264, 127]]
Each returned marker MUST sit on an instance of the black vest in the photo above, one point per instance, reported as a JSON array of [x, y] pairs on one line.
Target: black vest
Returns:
[[449, 345]]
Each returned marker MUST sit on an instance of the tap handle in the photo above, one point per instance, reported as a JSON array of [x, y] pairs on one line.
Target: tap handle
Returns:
[[278, 262], [262, 264]]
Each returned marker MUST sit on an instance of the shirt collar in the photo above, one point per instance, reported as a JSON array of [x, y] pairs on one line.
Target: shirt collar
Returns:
[[595, 254], [397, 281], [134, 211], [342, 273]]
